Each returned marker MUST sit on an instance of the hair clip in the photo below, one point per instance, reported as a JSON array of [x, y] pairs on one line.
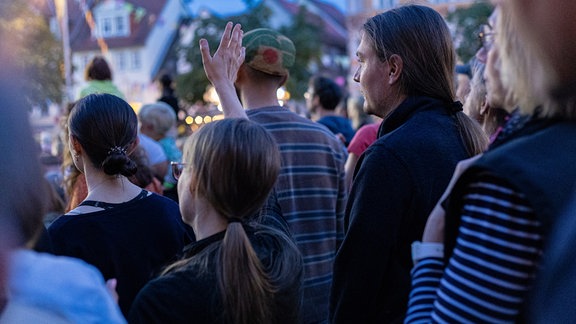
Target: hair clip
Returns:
[[117, 150]]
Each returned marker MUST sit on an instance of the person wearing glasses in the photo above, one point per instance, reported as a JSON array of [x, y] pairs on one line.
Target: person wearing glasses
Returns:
[[488, 102], [239, 271], [483, 246], [126, 232]]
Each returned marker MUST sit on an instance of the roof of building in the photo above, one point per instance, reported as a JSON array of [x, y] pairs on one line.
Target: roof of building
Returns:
[[144, 14]]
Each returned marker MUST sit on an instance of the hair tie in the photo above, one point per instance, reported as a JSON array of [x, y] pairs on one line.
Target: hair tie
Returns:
[[234, 220], [116, 150], [456, 107]]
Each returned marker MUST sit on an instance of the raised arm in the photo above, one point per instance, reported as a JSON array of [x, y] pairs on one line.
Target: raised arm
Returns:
[[222, 68]]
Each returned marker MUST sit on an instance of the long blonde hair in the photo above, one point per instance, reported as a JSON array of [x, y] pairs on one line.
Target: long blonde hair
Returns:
[[520, 68]]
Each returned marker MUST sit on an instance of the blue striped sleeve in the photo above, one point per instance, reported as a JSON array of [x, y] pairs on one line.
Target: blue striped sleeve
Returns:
[[495, 258]]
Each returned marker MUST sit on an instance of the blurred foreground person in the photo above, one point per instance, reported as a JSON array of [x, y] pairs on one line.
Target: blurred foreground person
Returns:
[[550, 29], [482, 247], [36, 287]]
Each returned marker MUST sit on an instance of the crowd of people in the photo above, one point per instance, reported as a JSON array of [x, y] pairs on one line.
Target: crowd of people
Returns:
[[441, 211]]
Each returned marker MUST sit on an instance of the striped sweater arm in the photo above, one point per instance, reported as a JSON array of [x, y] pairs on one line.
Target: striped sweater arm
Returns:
[[497, 250]]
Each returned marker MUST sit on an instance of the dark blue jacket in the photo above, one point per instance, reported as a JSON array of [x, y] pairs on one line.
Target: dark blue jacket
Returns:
[[398, 181]]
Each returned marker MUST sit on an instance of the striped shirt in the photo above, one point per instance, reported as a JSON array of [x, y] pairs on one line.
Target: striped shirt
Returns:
[[493, 264], [312, 196]]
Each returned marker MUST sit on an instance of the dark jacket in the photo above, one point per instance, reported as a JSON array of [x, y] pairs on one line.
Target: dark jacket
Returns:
[[539, 160], [339, 125], [191, 294], [398, 180]]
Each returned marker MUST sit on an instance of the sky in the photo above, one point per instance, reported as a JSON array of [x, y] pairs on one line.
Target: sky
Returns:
[[226, 7]]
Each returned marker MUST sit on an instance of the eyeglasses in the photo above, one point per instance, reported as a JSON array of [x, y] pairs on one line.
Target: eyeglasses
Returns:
[[486, 36], [177, 168]]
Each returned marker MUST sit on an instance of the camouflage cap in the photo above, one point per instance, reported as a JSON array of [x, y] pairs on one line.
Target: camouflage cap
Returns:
[[268, 51]]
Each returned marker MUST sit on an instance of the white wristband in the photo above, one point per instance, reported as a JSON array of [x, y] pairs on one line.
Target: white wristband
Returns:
[[427, 249]]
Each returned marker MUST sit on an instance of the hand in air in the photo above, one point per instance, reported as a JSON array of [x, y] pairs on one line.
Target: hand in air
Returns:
[[222, 68], [224, 65]]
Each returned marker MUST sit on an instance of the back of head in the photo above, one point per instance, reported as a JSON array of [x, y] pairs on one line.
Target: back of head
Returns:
[[328, 92], [250, 157], [420, 36], [107, 128], [166, 81], [98, 69], [268, 51], [159, 115], [234, 165]]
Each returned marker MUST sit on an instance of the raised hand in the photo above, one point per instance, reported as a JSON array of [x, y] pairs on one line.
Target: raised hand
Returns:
[[222, 68]]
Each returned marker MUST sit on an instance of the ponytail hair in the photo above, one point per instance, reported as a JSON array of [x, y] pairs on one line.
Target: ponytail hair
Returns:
[[251, 160], [246, 289], [475, 139]]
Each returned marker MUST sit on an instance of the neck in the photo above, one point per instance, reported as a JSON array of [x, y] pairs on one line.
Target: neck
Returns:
[[254, 96], [207, 221], [321, 112], [107, 188]]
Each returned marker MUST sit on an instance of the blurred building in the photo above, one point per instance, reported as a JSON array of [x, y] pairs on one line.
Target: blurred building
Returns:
[[133, 35]]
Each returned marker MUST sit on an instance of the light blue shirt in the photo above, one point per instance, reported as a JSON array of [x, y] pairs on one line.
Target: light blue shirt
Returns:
[[67, 287]]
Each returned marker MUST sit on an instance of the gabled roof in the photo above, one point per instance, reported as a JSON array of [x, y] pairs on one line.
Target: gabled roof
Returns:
[[143, 17]]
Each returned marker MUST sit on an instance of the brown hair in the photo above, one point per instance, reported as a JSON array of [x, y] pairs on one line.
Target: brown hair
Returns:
[[98, 69], [420, 36], [251, 159]]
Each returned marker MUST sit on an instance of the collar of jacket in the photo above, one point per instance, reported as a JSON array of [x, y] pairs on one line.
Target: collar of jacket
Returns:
[[409, 107]]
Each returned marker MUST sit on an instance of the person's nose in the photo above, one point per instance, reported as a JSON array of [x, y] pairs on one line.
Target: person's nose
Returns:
[[357, 75]]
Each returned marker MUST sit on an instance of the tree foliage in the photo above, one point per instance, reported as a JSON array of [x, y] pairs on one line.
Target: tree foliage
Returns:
[[39, 53], [192, 85], [467, 22], [306, 38]]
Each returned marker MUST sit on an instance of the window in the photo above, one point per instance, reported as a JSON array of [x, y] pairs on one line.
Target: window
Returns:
[[113, 25], [120, 26], [121, 61], [136, 63], [106, 27]]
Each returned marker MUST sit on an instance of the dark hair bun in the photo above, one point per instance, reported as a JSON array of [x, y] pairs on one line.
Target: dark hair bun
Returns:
[[119, 163]]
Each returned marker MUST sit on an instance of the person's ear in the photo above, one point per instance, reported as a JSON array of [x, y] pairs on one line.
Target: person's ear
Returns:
[[283, 79], [76, 147], [395, 66], [241, 75], [484, 108]]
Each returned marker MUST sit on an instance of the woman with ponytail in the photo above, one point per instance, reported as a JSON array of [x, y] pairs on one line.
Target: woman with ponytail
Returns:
[[239, 271], [126, 232]]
